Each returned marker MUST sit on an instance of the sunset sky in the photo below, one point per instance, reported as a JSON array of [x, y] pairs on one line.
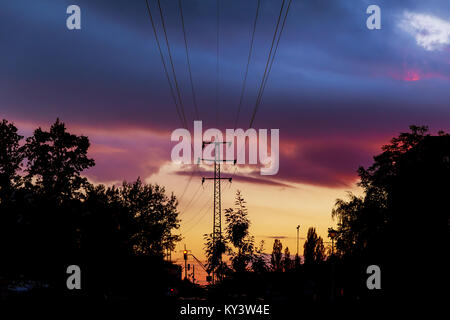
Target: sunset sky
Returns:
[[337, 92]]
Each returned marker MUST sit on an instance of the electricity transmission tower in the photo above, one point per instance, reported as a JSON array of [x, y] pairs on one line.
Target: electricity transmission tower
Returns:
[[217, 215]]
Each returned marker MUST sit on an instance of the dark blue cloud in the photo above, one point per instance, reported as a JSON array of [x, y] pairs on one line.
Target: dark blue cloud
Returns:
[[332, 76]]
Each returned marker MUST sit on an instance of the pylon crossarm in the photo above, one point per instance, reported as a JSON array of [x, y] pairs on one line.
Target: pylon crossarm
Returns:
[[218, 160]]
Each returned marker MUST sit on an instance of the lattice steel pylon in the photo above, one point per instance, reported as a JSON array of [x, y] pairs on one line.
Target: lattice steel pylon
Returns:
[[217, 214], [217, 222]]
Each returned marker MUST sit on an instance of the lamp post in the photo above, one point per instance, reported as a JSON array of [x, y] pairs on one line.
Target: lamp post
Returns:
[[185, 254], [298, 228], [332, 234]]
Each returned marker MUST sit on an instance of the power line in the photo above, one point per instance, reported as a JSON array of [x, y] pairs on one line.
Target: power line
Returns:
[[248, 63], [258, 98], [267, 64], [265, 72], [171, 62], [175, 77], [164, 64], [273, 56], [194, 99], [199, 220], [189, 181], [194, 170], [204, 213], [180, 113], [270, 58], [205, 205], [191, 201]]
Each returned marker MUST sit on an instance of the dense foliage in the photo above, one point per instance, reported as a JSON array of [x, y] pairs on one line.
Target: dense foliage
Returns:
[[50, 213]]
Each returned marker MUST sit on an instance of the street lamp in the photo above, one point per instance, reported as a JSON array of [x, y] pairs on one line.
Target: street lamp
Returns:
[[185, 256], [332, 234]]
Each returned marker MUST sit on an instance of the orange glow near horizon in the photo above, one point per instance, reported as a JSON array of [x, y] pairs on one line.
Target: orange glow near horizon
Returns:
[[274, 211]]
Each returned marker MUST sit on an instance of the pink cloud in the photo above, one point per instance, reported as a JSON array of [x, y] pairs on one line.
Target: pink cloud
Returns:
[[410, 72], [120, 154], [330, 162], [414, 74], [411, 75], [328, 159]]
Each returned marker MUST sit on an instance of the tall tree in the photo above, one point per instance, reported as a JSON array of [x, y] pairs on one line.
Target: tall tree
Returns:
[[56, 159], [313, 249], [277, 255], [412, 161], [297, 261], [405, 191], [287, 262], [320, 250], [214, 251], [237, 233], [259, 263], [11, 156], [106, 226], [155, 215]]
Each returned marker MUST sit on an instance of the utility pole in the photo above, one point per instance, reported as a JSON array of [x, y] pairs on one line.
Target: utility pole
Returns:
[[217, 214], [185, 254], [298, 257], [332, 234]]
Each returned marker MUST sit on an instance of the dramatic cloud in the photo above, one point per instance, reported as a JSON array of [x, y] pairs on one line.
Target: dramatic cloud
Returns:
[[253, 176], [430, 32], [333, 80]]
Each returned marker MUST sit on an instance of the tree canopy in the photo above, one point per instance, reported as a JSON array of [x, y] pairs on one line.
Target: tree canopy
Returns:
[[401, 220], [11, 156], [56, 158], [277, 255], [313, 249], [49, 212]]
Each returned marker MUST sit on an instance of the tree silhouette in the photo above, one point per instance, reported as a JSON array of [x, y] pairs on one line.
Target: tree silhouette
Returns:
[[297, 261], [55, 217], [313, 249], [320, 250], [287, 261], [405, 194], [106, 226], [237, 233], [259, 263], [365, 222], [277, 255], [138, 218], [214, 251], [155, 216], [56, 159], [11, 156]]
